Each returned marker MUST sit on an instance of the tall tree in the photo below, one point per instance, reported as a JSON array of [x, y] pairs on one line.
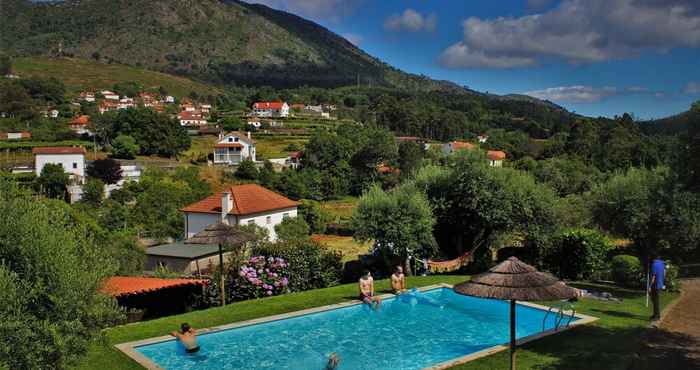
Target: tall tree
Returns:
[[107, 170], [53, 180], [693, 159]]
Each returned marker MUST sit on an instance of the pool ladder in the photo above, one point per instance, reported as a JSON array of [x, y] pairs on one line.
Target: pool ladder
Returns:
[[561, 315]]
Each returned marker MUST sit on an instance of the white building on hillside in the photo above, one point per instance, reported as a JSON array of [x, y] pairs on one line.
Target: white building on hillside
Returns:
[[233, 148], [72, 159], [248, 204], [271, 109], [109, 95]]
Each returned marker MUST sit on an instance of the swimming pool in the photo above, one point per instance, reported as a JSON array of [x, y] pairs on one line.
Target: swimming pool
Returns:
[[408, 332]]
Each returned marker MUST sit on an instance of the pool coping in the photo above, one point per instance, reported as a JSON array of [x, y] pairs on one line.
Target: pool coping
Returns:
[[129, 348]]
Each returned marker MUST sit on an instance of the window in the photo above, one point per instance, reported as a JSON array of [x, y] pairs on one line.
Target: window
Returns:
[[285, 215], [251, 222], [230, 140], [268, 220], [75, 165], [235, 139]]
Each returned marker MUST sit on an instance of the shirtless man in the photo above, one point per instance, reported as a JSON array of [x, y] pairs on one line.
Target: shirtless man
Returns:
[[398, 281], [367, 290], [187, 337]]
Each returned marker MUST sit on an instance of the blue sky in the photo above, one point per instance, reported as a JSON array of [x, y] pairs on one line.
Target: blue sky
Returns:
[[595, 57]]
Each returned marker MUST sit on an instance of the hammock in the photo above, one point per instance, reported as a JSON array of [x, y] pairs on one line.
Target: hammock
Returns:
[[454, 264]]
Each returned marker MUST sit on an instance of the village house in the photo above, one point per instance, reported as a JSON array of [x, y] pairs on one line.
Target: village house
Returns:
[[248, 204], [205, 108], [187, 106], [294, 160], [191, 118], [271, 109], [53, 113], [80, 125], [187, 259], [148, 100], [108, 106], [109, 95], [87, 96], [254, 122], [15, 135], [125, 103], [482, 138], [314, 108], [297, 107], [169, 99], [495, 157], [234, 147], [72, 159]]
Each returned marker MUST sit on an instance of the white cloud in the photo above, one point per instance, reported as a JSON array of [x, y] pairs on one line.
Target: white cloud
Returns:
[[333, 10], [412, 21], [354, 38], [574, 94], [578, 31], [692, 88]]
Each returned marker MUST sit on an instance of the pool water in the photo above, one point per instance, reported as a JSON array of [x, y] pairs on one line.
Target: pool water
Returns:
[[412, 331]]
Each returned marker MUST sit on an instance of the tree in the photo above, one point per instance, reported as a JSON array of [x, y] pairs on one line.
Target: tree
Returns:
[[316, 217], [267, 176], [410, 156], [93, 192], [399, 222], [125, 147], [50, 312], [292, 228], [108, 170], [693, 172], [5, 65], [127, 88], [53, 180], [49, 90], [247, 170]]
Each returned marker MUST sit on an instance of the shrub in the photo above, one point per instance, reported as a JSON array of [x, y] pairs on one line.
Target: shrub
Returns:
[[246, 170], [672, 283], [292, 228], [125, 147], [311, 265], [316, 217], [627, 271], [261, 276], [577, 253]]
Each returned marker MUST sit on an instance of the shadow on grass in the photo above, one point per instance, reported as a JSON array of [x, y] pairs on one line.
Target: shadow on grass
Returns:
[[594, 347], [621, 314]]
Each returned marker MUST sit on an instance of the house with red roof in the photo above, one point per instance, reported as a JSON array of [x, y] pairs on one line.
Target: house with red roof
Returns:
[[80, 125], [248, 204], [495, 157], [233, 148], [72, 159], [191, 118], [15, 135], [271, 109]]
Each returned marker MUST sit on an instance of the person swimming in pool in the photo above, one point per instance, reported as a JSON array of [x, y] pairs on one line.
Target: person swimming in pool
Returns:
[[333, 362], [366, 285], [398, 281], [188, 337]]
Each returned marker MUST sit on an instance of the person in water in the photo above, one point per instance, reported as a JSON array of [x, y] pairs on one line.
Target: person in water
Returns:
[[398, 281], [188, 338], [366, 285], [333, 362]]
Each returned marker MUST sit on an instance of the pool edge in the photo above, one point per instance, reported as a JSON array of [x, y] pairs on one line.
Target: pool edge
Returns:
[[583, 319], [129, 348]]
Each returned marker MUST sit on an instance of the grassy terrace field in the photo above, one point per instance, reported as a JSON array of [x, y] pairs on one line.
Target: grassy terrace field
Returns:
[[80, 74], [609, 343], [346, 245]]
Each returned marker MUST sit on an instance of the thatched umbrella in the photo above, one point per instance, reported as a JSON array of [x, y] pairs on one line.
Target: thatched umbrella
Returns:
[[221, 234], [515, 281]]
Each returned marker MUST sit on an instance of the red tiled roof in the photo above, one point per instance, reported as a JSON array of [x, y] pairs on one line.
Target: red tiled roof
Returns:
[[296, 154], [462, 145], [228, 145], [408, 138], [247, 199], [59, 150], [268, 105], [126, 285], [496, 155], [80, 120], [190, 116], [298, 106]]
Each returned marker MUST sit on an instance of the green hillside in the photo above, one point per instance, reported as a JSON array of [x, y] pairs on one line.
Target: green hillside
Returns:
[[79, 75], [219, 41]]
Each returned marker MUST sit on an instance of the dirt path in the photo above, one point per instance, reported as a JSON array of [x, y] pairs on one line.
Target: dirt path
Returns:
[[676, 343]]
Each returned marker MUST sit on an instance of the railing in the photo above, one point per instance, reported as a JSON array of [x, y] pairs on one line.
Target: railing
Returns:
[[561, 316]]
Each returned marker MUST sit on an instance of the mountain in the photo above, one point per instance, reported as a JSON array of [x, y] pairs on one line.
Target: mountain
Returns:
[[676, 124], [225, 42]]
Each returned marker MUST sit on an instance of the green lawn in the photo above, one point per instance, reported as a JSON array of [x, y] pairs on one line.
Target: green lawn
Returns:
[[341, 209], [349, 247], [609, 343]]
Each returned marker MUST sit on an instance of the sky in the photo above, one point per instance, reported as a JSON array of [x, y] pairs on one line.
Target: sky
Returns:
[[594, 57]]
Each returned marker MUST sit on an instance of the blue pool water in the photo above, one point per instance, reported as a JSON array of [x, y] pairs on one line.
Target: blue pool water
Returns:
[[407, 333]]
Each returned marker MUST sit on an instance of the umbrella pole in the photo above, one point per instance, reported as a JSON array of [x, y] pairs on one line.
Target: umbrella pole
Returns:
[[221, 272], [512, 334]]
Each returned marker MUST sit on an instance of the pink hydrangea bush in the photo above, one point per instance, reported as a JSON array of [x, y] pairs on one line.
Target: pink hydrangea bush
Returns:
[[262, 277]]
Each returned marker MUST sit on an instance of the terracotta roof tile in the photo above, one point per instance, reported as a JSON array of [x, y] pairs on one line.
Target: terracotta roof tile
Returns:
[[59, 150], [496, 155], [247, 199], [462, 145], [268, 105], [80, 120], [126, 285]]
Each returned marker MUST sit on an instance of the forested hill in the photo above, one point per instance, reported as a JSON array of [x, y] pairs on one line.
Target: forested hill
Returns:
[[220, 41]]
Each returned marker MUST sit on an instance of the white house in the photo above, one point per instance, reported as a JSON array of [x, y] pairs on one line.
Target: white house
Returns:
[[109, 95], [87, 96], [81, 125], [191, 118], [254, 122], [15, 135], [453, 146], [169, 99], [72, 159], [248, 204], [53, 113], [271, 109], [496, 158], [233, 148]]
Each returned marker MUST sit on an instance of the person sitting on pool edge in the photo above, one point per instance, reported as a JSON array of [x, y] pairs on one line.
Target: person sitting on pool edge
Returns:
[[398, 281], [188, 338], [366, 284]]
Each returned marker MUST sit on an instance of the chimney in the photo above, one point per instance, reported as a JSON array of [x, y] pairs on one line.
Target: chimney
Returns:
[[226, 206]]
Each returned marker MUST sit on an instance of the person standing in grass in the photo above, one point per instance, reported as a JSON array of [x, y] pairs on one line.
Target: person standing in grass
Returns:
[[658, 272], [398, 281]]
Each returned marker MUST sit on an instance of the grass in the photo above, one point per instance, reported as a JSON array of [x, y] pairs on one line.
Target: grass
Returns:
[[267, 147], [80, 74], [609, 343], [346, 245], [341, 209], [104, 356]]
